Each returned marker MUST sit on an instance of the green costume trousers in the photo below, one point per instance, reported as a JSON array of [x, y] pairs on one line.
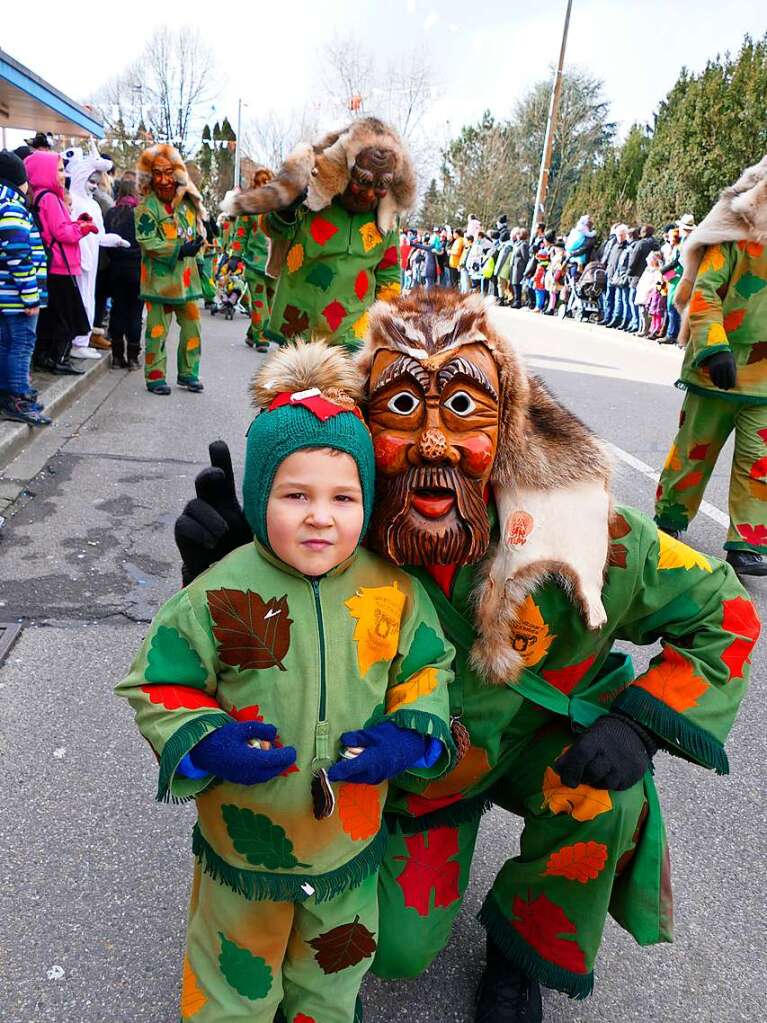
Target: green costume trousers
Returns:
[[158, 318], [547, 906], [261, 290], [705, 424], [246, 959]]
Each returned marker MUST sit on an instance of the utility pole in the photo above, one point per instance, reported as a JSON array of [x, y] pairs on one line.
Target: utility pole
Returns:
[[551, 124], [237, 145]]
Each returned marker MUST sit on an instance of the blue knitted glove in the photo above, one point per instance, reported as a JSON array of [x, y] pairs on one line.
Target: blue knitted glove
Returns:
[[225, 753], [389, 750]]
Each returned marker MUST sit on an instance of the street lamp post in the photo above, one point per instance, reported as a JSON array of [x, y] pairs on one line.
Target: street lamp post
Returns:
[[551, 124]]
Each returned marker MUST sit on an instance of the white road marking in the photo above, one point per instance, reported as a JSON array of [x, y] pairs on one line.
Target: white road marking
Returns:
[[648, 471]]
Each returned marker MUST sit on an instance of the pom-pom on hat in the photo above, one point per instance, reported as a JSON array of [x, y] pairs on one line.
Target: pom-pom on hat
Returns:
[[307, 395]]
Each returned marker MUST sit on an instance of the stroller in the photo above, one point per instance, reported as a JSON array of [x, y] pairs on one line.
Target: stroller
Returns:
[[231, 290], [585, 300]]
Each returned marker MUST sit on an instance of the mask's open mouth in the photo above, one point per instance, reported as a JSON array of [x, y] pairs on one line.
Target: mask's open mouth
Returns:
[[433, 502]]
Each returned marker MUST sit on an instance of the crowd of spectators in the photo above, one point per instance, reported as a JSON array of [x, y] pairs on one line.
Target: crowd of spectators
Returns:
[[636, 272]]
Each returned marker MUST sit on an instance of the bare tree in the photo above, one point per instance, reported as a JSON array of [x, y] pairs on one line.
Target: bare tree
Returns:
[[269, 138], [348, 76]]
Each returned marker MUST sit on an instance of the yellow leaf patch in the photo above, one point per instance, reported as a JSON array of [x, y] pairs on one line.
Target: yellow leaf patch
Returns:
[[530, 635], [713, 259], [583, 803], [675, 554], [378, 610], [716, 335], [421, 684], [370, 235]]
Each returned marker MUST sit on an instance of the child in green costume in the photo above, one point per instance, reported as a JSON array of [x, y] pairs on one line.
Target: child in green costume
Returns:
[[258, 678]]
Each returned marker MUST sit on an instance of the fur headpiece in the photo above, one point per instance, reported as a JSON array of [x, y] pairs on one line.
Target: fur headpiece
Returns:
[[551, 476], [323, 170], [303, 366], [186, 186], [740, 214]]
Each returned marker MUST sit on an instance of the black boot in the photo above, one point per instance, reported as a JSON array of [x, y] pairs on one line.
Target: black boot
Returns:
[[63, 365], [505, 994], [118, 353], [747, 562], [134, 351]]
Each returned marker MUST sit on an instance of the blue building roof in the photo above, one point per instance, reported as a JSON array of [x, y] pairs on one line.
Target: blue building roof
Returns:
[[29, 102]]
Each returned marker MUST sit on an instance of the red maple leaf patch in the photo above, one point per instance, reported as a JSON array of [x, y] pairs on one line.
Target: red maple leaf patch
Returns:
[[389, 258], [759, 469], [692, 479], [334, 314], [361, 284], [733, 320], [322, 230], [739, 617], [419, 805], [542, 924], [566, 679], [430, 868], [698, 452], [177, 697], [187, 277], [757, 535]]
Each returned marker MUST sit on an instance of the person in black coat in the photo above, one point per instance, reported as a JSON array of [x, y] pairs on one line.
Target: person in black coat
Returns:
[[124, 279], [637, 262], [520, 257]]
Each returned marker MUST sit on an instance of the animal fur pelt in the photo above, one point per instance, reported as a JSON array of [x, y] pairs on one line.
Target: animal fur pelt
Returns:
[[551, 476], [186, 186], [740, 214], [323, 169], [303, 366]]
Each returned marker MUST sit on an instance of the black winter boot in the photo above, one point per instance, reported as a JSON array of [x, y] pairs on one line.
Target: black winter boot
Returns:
[[747, 562], [63, 365], [505, 994], [118, 353]]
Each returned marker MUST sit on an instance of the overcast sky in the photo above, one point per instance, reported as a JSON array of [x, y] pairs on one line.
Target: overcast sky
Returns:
[[486, 53]]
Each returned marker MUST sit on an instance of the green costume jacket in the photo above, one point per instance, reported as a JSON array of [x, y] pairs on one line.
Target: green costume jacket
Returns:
[[728, 312], [253, 639], [337, 265], [657, 589], [250, 242], [161, 231]]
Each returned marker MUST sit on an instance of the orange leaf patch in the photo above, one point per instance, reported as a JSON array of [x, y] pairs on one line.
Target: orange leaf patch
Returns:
[[359, 808], [547, 929], [581, 862], [583, 802], [673, 681]]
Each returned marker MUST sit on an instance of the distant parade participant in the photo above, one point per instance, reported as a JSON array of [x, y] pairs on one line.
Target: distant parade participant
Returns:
[[252, 245], [170, 230], [331, 219], [724, 372]]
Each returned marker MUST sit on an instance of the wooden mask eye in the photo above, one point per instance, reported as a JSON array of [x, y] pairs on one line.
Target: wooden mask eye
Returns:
[[461, 403], [403, 404]]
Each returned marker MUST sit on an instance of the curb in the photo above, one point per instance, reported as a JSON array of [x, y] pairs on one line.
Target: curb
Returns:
[[59, 395]]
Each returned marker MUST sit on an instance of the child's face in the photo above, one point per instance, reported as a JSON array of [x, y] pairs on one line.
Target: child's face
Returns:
[[315, 512]]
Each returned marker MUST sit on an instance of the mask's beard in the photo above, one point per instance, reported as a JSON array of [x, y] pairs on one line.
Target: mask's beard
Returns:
[[399, 533]]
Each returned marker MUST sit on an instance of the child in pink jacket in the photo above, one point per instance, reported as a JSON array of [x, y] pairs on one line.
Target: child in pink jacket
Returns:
[[65, 317]]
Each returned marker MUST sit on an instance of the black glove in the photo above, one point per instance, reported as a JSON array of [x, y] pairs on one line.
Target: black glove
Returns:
[[189, 249], [288, 213], [212, 524], [722, 370], [613, 754]]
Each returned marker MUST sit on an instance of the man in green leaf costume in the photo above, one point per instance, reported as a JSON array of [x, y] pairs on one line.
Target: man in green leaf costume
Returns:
[[330, 216], [170, 230], [251, 244], [281, 690], [491, 494], [724, 372]]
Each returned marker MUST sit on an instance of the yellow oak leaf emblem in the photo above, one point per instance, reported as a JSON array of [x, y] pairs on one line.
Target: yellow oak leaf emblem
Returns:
[[584, 803], [378, 610], [530, 635], [193, 998], [421, 684], [713, 259], [370, 235], [675, 554], [295, 258], [673, 460]]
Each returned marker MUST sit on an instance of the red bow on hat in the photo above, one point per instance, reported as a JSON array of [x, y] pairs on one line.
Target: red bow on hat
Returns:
[[313, 399]]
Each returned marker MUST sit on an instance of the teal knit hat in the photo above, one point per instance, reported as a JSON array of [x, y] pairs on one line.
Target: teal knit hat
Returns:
[[306, 393]]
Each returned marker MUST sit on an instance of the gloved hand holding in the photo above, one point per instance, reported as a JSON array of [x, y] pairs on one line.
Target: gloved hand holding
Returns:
[[722, 370], [288, 213], [226, 754], [212, 525], [189, 249], [389, 750], [613, 753], [87, 226]]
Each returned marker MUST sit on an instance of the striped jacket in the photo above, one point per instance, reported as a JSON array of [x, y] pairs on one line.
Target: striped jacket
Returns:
[[23, 263]]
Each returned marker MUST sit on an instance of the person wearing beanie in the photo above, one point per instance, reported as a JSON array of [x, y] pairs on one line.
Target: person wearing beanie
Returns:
[[282, 689], [23, 274]]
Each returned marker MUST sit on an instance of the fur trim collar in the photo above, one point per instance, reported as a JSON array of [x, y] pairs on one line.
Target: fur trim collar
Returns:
[[323, 169]]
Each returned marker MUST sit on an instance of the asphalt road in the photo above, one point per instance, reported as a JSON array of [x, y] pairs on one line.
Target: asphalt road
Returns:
[[94, 875]]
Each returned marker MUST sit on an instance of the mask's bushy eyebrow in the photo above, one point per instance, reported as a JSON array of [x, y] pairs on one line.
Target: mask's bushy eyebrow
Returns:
[[404, 366], [463, 367]]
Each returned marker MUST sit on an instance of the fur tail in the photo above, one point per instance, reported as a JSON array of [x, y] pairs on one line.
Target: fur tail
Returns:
[[289, 182]]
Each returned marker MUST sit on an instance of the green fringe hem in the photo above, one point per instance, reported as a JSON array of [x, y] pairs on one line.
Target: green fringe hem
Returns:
[[676, 730], [452, 816], [519, 953], [176, 748], [427, 724], [741, 545], [256, 885], [710, 392]]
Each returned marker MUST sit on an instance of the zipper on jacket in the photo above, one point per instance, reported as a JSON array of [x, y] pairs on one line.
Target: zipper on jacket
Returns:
[[321, 732]]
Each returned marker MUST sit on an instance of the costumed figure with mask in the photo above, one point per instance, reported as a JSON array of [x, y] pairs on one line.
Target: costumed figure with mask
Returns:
[[330, 215], [251, 244], [497, 499], [723, 296], [84, 172], [170, 230]]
